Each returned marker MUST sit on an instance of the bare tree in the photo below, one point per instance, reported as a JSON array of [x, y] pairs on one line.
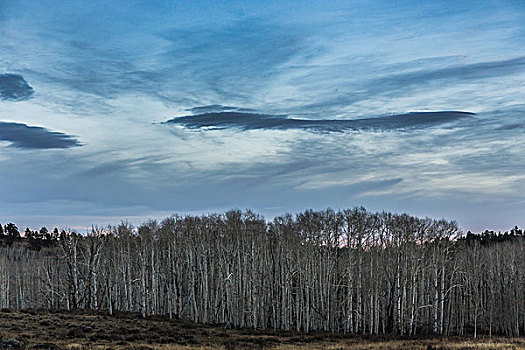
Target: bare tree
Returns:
[[348, 271]]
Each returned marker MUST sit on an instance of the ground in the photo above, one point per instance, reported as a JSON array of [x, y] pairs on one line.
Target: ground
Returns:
[[38, 329]]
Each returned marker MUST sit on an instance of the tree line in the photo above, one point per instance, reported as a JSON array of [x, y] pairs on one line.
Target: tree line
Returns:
[[349, 271]]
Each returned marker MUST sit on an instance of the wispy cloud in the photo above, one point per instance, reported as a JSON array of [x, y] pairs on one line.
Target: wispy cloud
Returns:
[[233, 61], [414, 82], [178, 66], [217, 109]]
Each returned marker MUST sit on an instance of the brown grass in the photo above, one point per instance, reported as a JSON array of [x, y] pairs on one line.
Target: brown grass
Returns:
[[79, 330]]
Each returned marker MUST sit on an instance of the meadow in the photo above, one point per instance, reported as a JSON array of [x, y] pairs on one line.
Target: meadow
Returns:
[[53, 330]]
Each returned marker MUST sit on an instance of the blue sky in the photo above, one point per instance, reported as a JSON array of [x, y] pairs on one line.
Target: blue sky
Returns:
[[285, 105]]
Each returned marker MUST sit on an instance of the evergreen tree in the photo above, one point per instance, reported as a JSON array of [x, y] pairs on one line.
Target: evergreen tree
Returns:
[[12, 233]]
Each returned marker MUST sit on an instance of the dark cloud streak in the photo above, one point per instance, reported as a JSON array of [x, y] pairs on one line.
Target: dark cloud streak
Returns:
[[34, 137], [13, 87], [252, 121]]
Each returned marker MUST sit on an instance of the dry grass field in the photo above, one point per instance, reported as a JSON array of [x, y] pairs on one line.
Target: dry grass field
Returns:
[[37, 329]]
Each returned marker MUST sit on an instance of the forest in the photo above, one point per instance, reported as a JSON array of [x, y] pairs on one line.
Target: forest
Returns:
[[349, 271]]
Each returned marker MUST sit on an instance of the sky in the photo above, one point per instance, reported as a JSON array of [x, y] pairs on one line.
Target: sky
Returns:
[[133, 110]]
